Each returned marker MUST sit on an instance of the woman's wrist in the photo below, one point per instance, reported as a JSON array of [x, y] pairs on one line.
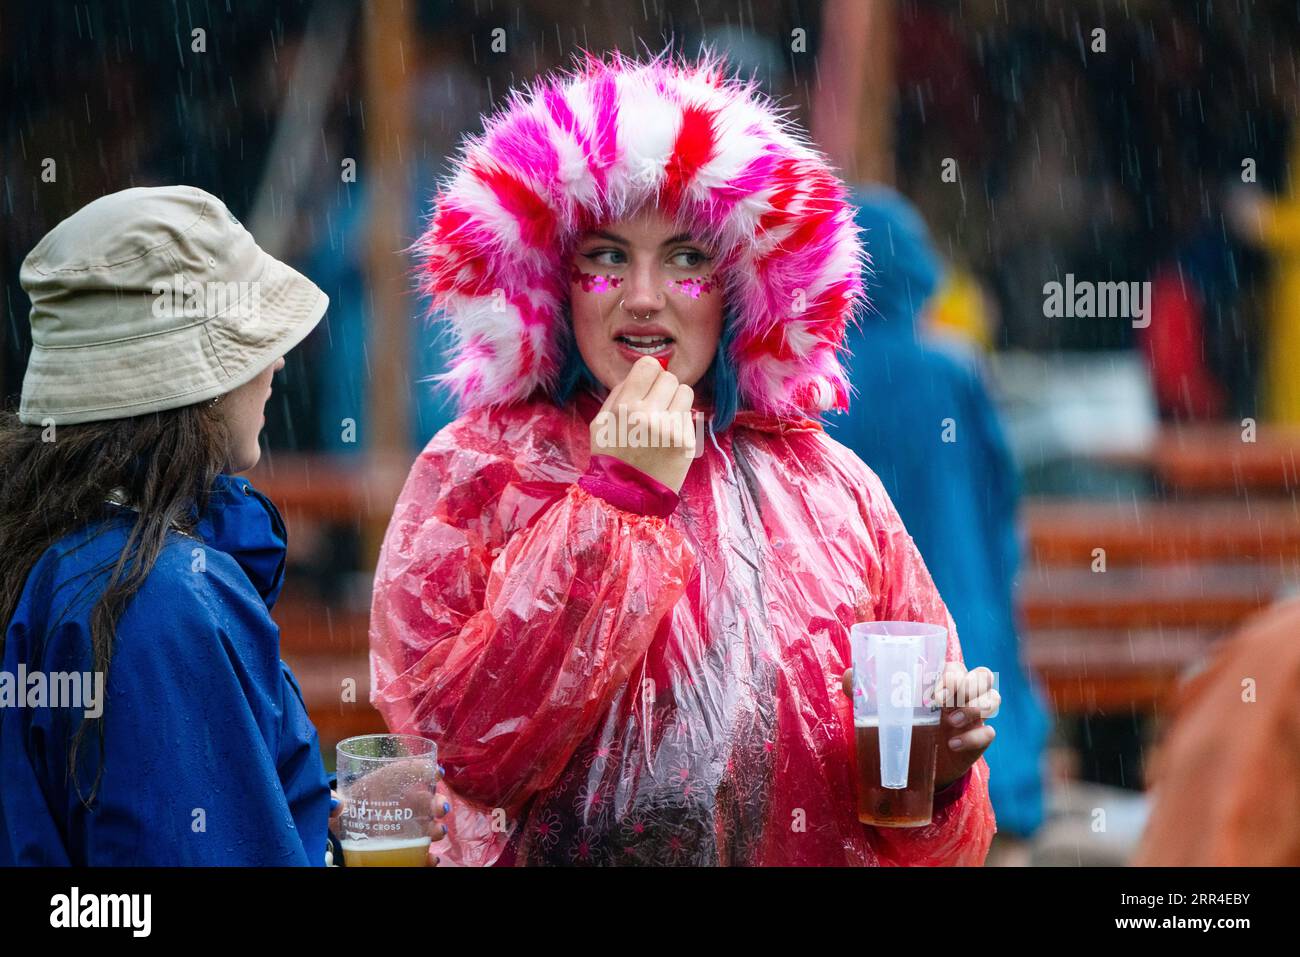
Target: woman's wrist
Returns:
[[951, 792], [627, 487]]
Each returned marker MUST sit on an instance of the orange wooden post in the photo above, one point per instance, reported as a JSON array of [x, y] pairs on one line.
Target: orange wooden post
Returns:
[[388, 57], [853, 104]]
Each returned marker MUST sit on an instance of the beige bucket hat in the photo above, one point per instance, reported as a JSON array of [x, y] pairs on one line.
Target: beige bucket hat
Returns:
[[154, 298]]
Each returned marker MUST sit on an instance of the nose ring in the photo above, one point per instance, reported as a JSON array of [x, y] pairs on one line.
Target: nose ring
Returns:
[[621, 305]]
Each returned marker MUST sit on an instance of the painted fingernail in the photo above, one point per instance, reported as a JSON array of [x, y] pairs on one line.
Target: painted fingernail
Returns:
[[955, 743], [958, 718], [441, 769], [446, 807], [444, 830], [334, 802]]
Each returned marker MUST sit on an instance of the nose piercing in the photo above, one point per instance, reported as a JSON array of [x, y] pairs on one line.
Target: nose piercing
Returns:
[[634, 315], [623, 306]]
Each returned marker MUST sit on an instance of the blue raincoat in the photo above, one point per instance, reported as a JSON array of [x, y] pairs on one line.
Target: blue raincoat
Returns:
[[209, 756], [957, 497]]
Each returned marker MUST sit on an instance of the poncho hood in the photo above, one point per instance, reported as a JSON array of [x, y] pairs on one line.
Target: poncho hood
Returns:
[[579, 149]]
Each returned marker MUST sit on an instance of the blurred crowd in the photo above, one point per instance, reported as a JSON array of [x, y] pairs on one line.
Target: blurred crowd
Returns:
[[1121, 165]]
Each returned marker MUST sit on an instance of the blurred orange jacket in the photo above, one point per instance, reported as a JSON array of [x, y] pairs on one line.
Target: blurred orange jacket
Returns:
[[1227, 777]]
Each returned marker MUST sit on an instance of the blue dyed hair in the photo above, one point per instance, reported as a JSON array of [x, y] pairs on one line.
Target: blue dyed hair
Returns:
[[575, 375]]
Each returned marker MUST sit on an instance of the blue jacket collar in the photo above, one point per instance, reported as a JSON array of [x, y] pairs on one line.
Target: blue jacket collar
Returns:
[[242, 522]]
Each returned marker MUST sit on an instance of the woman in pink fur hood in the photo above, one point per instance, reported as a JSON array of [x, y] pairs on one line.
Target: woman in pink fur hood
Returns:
[[617, 590]]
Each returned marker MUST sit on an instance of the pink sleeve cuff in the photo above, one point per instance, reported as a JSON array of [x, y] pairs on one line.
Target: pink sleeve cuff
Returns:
[[627, 487], [953, 792]]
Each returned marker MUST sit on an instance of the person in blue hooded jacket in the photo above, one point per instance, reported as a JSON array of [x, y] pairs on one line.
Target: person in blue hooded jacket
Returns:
[[927, 427], [146, 716]]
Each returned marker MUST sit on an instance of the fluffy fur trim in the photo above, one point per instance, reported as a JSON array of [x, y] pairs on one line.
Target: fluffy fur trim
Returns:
[[582, 148]]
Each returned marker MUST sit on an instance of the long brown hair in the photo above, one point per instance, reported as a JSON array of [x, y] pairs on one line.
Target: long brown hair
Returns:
[[56, 479]]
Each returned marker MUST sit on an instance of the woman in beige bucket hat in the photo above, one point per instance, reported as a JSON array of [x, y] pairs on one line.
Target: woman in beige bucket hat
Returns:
[[139, 570]]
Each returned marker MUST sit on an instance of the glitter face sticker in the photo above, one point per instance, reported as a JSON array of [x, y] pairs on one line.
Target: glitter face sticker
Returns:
[[595, 283], [695, 288]]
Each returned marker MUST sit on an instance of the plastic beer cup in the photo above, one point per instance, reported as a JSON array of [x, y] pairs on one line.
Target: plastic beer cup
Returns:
[[387, 784], [896, 665]]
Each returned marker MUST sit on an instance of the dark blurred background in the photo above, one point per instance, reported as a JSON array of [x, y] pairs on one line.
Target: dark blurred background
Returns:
[[1105, 165]]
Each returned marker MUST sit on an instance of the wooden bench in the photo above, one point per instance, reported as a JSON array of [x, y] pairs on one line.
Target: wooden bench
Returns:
[[1205, 459], [1106, 643], [1182, 572], [1067, 532], [1114, 671], [1178, 576]]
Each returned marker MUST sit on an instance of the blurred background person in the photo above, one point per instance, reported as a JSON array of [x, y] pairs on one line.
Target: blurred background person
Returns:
[[924, 422], [1269, 219]]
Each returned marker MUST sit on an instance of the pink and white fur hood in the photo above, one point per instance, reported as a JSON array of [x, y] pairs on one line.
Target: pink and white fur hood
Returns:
[[580, 149]]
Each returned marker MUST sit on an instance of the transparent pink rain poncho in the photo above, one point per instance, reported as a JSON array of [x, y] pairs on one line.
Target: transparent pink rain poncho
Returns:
[[608, 687]]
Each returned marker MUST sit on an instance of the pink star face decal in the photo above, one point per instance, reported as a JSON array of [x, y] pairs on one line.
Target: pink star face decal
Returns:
[[592, 282], [695, 287]]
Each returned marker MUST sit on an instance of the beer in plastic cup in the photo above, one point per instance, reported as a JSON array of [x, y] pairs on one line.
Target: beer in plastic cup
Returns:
[[406, 852], [387, 784], [896, 665]]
